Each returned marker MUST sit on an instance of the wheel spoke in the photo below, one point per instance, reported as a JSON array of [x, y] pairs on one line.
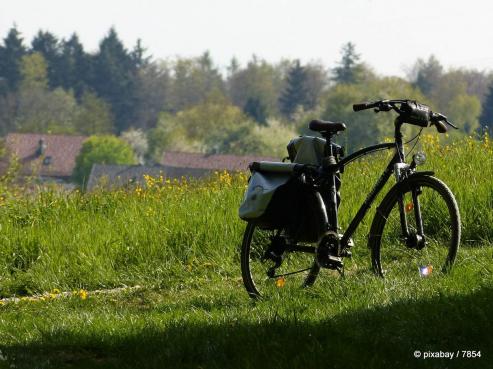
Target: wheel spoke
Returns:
[[267, 256], [433, 225]]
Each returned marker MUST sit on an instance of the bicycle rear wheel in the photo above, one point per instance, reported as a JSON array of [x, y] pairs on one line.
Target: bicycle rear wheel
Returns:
[[416, 231], [262, 250]]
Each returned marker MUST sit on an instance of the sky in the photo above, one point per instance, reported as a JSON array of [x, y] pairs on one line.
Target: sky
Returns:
[[389, 34]]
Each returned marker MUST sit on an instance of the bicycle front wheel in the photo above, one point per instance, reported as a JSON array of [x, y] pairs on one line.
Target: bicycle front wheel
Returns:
[[271, 265], [416, 231]]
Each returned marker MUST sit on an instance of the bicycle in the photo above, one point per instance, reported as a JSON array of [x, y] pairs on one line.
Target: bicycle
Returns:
[[415, 230]]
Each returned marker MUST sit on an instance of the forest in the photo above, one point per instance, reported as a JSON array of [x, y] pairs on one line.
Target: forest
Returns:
[[53, 85]]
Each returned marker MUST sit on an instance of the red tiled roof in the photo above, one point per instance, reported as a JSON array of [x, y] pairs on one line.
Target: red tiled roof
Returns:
[[61, 148], [212, 161]]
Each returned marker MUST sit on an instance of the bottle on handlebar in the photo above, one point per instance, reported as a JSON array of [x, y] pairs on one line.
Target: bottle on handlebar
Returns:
[[415, 113]]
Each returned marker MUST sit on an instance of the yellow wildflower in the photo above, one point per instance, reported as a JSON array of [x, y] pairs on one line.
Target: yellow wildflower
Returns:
[[83, 294], [280, 282], [409, 207]]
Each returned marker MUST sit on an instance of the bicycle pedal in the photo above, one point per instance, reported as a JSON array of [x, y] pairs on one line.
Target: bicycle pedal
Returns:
[[346, 254], [335, 260], [349, 242], [332, 262]]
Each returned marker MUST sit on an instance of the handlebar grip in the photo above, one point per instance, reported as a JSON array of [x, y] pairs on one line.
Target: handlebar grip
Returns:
[[363, 106]]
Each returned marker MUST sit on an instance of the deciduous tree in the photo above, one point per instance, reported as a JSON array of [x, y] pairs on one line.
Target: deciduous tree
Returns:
[[194, 80], [259, 80], [48, 45], [426, 74], [93, 116], [137, 139], [366, 127], [153, 94], [487, 114], [101, 150]]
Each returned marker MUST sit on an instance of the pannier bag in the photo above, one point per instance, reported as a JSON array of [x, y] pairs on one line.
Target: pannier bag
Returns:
[[274, 195], [311, 150], [306, 150], [261, 187], [277, 199]]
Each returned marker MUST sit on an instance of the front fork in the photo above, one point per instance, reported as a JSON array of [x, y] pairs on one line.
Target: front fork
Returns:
[[414, 239]]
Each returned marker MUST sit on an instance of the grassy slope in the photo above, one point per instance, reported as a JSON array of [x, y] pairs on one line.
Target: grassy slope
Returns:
[[181, 243], [209, 322]]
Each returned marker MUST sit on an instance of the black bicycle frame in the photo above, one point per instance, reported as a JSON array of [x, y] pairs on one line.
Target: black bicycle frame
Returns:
[[376, 188], [333, 168]]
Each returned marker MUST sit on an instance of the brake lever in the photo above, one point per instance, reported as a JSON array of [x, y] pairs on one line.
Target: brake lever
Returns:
[[440, 119], [440, 126], [450, 124]]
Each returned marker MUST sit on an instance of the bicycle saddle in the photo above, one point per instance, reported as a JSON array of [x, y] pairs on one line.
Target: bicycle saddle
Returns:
[[326, 126]]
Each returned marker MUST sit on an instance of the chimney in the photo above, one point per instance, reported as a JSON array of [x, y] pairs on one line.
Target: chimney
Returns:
[[41, 148]]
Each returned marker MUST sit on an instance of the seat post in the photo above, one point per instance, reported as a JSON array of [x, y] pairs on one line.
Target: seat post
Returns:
[[328, 163], [328, 150]]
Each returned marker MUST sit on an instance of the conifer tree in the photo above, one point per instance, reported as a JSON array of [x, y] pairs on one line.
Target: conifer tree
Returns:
[[233, 67], [350, 69], [255, 109], [113, 78], [138, 55], [48, 45], [295, 94], [11, 54], [75, 66]]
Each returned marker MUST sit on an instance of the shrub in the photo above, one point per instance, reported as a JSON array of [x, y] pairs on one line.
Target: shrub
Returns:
[[101, 150]]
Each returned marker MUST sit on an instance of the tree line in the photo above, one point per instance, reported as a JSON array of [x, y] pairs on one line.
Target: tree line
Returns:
[[54, 85]]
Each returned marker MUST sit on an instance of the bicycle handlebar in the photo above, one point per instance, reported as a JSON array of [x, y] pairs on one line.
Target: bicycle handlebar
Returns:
[[364, 106], [410, 111]]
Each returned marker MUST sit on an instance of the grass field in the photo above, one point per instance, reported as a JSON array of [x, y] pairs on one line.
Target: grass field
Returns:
[[180, 241]]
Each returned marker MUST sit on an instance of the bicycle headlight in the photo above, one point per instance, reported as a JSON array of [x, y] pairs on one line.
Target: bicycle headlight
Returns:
[[419, 158]]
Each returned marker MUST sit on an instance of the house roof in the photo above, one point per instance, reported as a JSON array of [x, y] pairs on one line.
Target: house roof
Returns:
[[119, 175], [57, 158], [210, 161]]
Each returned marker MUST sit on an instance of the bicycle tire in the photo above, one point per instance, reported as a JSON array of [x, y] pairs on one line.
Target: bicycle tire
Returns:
[[254, 270], [391, 254]]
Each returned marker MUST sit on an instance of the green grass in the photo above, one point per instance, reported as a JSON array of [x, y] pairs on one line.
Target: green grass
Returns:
[[209, 322], [181, 244]]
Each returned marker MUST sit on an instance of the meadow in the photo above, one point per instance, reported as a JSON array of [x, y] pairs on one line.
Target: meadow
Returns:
[[178, 241]]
